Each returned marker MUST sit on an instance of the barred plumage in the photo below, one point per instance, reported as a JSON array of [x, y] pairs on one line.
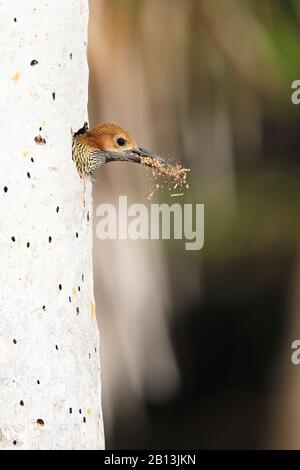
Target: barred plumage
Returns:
[[87, 159]]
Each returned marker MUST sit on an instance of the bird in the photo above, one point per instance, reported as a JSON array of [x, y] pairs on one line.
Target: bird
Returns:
[[106, 143]]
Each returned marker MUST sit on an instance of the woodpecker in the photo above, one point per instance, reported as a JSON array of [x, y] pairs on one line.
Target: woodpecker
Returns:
[[108, 143]]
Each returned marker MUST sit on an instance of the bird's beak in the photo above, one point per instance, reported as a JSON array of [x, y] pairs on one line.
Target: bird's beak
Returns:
[[145, 153], [132, 155], [141, 152]]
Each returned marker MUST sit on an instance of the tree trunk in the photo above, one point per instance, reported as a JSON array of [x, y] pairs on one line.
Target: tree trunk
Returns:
[[49, 352]]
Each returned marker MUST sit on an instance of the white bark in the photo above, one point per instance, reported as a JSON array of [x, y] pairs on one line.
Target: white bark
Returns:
[[49, 362]]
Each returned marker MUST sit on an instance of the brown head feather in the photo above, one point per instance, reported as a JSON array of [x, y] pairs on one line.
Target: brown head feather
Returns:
[[105, 137]]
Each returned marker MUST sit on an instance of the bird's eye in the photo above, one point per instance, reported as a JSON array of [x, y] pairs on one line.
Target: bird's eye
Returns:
[[121, 141]]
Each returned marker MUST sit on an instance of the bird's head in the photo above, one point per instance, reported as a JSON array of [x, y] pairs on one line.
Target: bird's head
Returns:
[[110, 138], [112, 143]]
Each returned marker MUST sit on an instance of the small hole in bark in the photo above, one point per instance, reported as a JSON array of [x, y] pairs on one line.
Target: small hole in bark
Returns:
[[50, 239], [14, 443], [71, 56], [32, 160], [84, 419], [57, 209], [40, 422], [40, 129], [13, 239], [80, 411], [21, 403], [28, 175], [15, 20], [28, 245], [88, 216], [82, 277], [60, 287], [89, 355], [44, 307], [70, 300], [33, 62], [53, 96], [78, 288], [5, 189], [40, 140], [56, 347], [14, 341], [76, 234], [95, 350], [38, 382], [77, 310], [70, 411]]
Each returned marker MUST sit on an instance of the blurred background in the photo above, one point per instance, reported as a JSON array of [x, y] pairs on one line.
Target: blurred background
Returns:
[[196, 346]]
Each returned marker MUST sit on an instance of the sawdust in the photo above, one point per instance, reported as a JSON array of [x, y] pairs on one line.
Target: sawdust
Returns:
[[166, 173]]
